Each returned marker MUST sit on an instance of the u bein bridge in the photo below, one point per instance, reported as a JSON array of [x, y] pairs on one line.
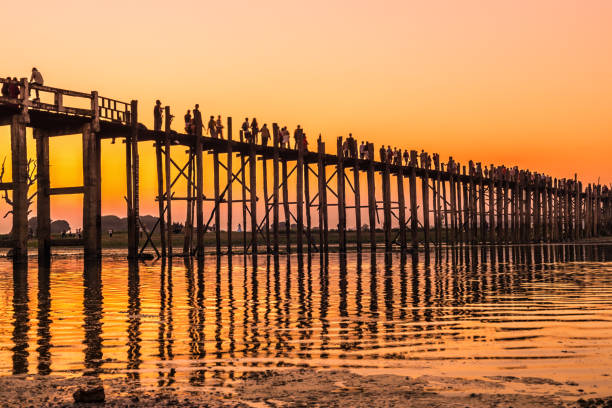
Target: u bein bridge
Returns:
[[456, 205]]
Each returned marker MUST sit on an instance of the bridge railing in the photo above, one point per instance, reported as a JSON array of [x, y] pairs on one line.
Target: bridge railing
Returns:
[[53, 100]]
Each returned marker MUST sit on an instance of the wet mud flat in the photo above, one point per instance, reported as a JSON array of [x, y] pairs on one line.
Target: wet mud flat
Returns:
[[304, 388]]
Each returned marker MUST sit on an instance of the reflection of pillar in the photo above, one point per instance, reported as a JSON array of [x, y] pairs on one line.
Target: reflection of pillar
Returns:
[[44, 333], [133, 330], [92, 311], [20, 318]]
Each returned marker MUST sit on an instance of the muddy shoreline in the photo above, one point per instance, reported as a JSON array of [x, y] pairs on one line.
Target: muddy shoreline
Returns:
[[304, 388]]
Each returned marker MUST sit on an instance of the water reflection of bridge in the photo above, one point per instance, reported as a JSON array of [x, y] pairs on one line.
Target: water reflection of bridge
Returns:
[[457, 205], [287, 311]]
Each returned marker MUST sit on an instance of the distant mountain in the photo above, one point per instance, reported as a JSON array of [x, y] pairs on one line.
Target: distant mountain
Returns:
[[57, 226], [120, 224]]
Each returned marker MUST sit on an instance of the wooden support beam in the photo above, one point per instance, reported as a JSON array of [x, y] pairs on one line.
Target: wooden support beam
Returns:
[[386, 189], [300, 194], [341, 200], [90, 196], [491, 189], [286, 205], [322, 183], [66, 190], [425, 197], [168, 194], [307, 201], [402, 209], [275, 188], [445, 213], [160, 196], [217, 202], [188, 239], [264, 169], [20, 188], [230, 180], [357, 192], [437, 203], [371, 197], [243, 197], [414, 222], [43, 201], [253, 196]]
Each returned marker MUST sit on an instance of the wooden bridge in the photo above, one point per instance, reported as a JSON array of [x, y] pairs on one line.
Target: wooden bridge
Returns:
[[456, 205]]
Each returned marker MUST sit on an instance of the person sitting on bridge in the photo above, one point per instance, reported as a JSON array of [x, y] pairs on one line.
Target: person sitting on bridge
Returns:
[[254, 130], [219, 127], [36, 79], [212, 127], [5, 87], [188, 122], [265, 134], [157, 116], [197, 121]]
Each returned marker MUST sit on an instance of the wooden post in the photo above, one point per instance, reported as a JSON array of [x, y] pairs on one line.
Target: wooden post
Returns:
[[132, 248], [217, 207], [135, 172], [230, 178], [253, 195], [550, 215], [199, 196], [161, 195], [371, 197], [89, 192], [341, 202], [492, 237], [323, 224], [425, 195], [438, 208], [187, 241], [527, 228], [307, 201], [167, 163], [356, 186], [506, 211], [243, 197], [386, 189], [467, 208], [460, 215], [300, 194], [275, 188], [453, 201], [577, 210], [481, 202], [286, 205], [414, 221], [402, 208], [264, 164], [445, 213], [43, 202]]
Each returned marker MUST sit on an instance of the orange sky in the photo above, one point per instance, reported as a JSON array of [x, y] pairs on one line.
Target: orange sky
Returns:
[[512, 82]]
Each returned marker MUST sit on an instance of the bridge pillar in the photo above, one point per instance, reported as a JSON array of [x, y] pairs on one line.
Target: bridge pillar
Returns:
[[43, 202], [20, 187], [91, 192]]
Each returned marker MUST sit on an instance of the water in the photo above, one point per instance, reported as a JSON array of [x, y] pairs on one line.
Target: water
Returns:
[[539, 311]]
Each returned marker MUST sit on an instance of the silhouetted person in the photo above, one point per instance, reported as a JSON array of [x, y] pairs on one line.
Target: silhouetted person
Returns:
[[5, 87], [297, 136], [197, 121], [219, 127], [188, 122], [37, 79], [389, 154], [254, 130], [14, 89], [285, 137], [265, 134], [157, 116], [383, 154], [245, 129], [304, 142], [406, 157], [362, 150], [212, 127]]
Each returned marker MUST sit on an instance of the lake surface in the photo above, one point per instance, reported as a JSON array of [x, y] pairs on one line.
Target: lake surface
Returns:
[[539, 311]]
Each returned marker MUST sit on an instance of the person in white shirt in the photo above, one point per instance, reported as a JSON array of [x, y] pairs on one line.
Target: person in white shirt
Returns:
[[36, 79]]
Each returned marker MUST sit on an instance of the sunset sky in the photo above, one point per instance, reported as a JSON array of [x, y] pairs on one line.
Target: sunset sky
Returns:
[[525, 83]]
